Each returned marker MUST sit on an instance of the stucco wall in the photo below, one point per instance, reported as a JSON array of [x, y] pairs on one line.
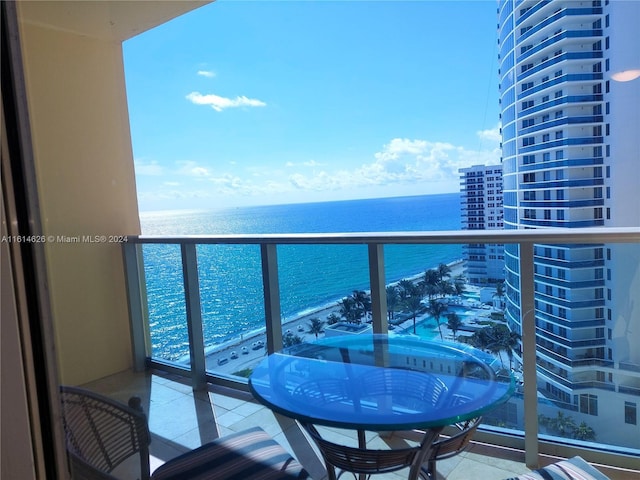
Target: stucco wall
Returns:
[[82, 147]]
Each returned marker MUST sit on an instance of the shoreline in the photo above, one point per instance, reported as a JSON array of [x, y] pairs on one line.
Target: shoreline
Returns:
[[247, 356]]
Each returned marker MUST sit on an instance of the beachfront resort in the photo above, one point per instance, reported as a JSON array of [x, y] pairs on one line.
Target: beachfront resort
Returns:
[[437, 305]]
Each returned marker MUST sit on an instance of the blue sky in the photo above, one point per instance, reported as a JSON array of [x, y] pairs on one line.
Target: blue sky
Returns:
[[244, 103]]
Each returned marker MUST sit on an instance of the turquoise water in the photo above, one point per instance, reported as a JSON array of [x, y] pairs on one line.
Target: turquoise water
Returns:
[[310, 275], [427, 328]]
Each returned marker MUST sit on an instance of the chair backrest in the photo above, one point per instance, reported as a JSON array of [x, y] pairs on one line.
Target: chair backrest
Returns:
[[449, 446], [410, 387], [364, 461], [102, 433]]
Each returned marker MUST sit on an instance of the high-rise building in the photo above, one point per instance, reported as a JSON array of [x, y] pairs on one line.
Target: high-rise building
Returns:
[[481, 198], [571, 158]]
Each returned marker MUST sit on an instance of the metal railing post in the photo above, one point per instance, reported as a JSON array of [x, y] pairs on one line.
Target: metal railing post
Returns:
[[378, 288], [194, 315], [138, 312], [528, 322], [271, 286]]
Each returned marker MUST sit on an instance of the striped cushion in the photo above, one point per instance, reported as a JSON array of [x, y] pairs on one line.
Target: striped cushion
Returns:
[[248, 455], [573, 469]]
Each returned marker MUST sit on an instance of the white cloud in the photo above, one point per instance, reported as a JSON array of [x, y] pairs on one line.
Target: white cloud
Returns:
[[151, 168], [492, 134], [220, 103], [308, 163], [191, 169], [402, 161], [402, 166], [206, 73]]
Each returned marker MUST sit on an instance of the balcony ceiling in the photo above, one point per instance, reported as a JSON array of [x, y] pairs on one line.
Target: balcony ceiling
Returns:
[[106, 20]]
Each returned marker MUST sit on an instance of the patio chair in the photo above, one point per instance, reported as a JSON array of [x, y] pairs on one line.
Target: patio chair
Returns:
[[447, 447], [101, 434]]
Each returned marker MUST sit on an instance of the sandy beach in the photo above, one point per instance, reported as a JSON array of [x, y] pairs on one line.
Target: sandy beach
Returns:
[[247, 353]]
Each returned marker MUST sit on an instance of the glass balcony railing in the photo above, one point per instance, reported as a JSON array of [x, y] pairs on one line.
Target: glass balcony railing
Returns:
[[211, 307]]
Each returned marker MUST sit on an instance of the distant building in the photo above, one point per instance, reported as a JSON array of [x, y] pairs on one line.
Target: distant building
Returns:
[[481, 197], [571, 159]]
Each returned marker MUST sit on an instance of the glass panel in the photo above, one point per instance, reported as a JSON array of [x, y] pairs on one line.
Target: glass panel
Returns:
[[323, 286], [232, 303], [166, 303]]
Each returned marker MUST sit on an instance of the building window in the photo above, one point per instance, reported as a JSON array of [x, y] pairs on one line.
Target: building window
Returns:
[[630, 413], [588, 404], [597, 213]]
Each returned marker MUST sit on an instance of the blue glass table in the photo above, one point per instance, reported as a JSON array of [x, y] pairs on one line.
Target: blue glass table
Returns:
[[380, 383]]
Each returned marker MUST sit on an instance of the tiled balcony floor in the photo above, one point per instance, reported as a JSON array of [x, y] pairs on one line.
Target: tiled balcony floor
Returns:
[[180, 420]]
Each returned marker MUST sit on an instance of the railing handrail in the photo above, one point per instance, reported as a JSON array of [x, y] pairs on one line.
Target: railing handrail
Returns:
[[540, 235]]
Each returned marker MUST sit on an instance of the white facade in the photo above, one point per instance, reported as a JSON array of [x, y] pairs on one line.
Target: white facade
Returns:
[[481, 197], [571, 158]]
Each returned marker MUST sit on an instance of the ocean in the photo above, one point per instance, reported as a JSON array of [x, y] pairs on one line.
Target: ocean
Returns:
[[311, 276]]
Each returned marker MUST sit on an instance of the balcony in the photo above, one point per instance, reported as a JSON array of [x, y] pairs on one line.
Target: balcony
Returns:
[[181, 419], [199, 366]]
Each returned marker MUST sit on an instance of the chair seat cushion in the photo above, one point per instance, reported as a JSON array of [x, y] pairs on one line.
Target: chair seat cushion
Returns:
[[572, 469], [248, 455]]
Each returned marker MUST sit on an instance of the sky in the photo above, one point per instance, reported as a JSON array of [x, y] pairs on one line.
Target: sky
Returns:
[[256, 103]]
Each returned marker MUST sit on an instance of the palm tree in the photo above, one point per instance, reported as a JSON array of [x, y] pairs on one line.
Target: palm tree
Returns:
[[315, 326], [584, 432], [407, 288], [289, 339], [362, 300], [563, 424], [511, 343], [333, 318], [482, 339], [393, 300], [349, 310], [413, 304], [445, 287], [460, 284], [454, 323], [429, 282], [444, 271], [436, 310]]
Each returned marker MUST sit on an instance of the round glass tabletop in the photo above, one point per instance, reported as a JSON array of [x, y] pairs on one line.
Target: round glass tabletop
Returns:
[[380, 382]]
